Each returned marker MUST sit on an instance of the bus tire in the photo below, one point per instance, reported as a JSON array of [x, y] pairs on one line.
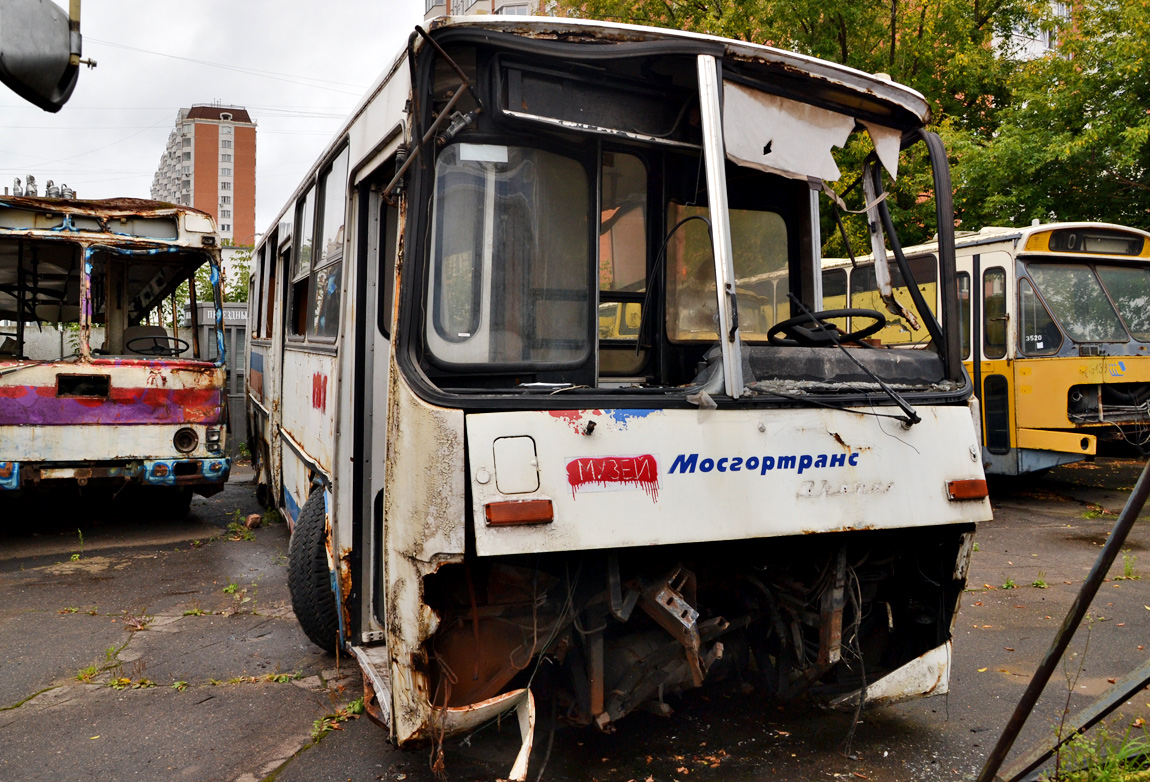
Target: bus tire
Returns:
[[309, 579]]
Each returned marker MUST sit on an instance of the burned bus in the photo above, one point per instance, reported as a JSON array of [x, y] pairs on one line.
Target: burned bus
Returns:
[[539, 427], [95, 388]]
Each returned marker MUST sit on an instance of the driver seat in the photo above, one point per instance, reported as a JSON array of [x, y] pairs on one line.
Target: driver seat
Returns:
[[135, 332]]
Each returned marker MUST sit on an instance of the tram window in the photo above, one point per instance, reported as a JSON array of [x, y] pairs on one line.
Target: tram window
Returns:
[[1037, 332], [964, 312], [326, 283], [994, 312], [1129, 289], [301, 263]]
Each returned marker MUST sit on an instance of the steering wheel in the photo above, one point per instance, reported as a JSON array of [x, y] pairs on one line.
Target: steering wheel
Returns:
[[157, 346], [798, 334]]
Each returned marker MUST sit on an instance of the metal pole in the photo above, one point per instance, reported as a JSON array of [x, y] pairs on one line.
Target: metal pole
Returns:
[[1070, 624]]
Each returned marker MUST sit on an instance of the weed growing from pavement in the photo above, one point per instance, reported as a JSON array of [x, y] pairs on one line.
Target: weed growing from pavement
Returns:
[[1128, 573], [976, 546], [179, 686], [1040, 582], [1103, 757], [271, 516], [324, 725], [88, 673], [231, 588], [69, 610], [1009, 584], [196, 611], [76, 557]]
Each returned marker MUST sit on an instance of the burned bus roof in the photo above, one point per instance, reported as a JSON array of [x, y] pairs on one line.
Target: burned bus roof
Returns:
[[100, 207], [130, 219], [870, 87]]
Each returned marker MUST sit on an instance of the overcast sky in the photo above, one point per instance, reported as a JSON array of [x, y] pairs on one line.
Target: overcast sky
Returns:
[[298, 67]]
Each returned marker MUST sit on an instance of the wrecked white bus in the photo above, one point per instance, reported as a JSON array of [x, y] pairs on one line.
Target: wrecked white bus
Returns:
[[94, 390], [541, 430]]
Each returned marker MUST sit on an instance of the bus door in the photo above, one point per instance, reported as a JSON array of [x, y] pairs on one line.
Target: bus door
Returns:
[[264, 356], [994, 271], [378, 235]]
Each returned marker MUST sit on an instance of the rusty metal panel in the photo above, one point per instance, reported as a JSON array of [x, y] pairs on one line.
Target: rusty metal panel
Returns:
[[424, 526]]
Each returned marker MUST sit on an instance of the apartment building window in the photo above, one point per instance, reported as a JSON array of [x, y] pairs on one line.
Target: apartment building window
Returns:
[[225, 172], [226, 213], [187, 156], [187, 200], [514, 10], [226, 143], [225, 158], [225, 185], [225, 227], [187, 169], [431, 4], [225, 199], [187, 142], [226, 129]]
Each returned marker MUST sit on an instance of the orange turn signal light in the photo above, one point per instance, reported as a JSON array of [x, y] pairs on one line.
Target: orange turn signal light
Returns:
[[974, 489], [512, 512]]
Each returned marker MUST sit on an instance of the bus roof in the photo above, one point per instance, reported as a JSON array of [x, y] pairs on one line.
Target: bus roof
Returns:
[[149, 219], [594, 31]]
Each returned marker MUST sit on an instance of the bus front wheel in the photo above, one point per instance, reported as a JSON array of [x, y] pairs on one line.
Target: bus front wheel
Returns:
[[309, 579]]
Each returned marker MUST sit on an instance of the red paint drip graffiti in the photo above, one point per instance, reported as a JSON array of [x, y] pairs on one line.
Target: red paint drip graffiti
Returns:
[[604, 473], [319, 391]]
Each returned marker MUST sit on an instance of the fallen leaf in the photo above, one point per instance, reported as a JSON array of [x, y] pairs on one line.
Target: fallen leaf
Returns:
[[1008, 648], [1112, 681], [980, 670], [93, 738], [1121, 624], [1138, 723]]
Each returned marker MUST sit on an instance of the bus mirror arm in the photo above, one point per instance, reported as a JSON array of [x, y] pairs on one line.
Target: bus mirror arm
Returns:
[[458, 121], [443, 117]]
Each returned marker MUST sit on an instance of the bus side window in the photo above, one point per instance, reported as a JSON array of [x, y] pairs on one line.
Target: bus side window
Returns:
[[301, 263], [964, 312], [326, 283], [994, 312], [268, 283], [1037, 333]]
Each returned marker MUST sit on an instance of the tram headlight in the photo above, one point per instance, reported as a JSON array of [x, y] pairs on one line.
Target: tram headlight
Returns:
[[186, 440]]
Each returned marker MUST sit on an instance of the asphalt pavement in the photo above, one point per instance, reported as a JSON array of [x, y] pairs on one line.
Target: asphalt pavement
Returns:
[[135, 646]]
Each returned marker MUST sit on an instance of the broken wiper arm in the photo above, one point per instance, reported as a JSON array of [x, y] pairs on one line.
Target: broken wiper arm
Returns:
[[911, 417]]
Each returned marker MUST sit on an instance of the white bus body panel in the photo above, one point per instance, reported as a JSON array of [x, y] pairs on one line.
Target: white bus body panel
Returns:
[[659, 477]]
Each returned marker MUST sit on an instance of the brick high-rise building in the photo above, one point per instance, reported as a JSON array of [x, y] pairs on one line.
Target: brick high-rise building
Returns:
[[210, 163]]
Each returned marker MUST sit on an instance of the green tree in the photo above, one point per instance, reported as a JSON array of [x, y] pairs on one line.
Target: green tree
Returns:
[[957, 53], [1074, 144]]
